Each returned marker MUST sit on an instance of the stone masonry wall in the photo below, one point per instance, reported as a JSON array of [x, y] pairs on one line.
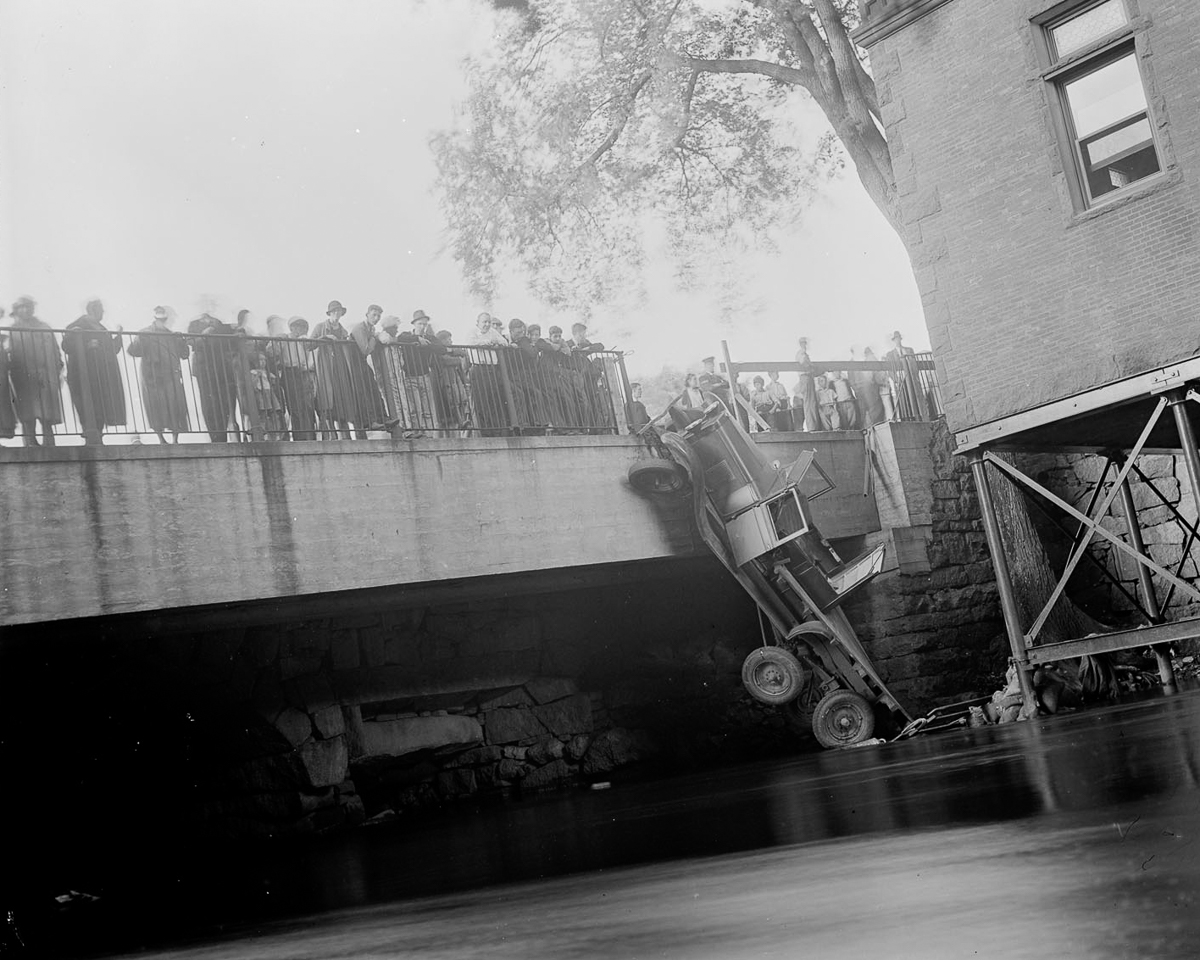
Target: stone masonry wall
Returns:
[[1074, 477], [938, 636]]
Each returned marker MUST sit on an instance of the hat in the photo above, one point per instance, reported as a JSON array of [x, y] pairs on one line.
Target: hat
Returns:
[[297, 322], [160, 313], [24, 302], [419, 315], [896, 335], [708, 360], [335, 305], [374, 306], [390, 321]]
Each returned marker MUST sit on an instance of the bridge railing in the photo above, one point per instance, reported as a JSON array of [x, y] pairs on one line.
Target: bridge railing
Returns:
[[907, 385], [152, 386]]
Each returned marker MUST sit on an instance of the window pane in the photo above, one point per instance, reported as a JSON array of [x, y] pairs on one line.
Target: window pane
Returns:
[[1101, 98], [1079, 31], [1118, 157]]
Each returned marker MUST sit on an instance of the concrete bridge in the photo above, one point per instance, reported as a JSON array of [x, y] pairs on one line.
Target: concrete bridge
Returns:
[[95, 531]]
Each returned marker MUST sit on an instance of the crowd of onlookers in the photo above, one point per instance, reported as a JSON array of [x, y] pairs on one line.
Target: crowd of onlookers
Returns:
[[328, 381], [336, 380], [820, 399]]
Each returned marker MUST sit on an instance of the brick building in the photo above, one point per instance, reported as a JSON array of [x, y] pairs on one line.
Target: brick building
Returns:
[[1047, 165], [1039, 282]]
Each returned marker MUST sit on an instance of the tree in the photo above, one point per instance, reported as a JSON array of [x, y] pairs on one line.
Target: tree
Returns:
[[592, 111], [676, 111]]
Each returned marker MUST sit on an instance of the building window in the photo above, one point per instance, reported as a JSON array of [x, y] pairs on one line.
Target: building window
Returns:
[[1101, 98]]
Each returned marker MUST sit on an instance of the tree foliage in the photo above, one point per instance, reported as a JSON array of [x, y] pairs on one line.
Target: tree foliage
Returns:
[[596, 130]]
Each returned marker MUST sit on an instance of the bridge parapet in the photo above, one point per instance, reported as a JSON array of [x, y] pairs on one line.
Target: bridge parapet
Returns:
[[102, 530]]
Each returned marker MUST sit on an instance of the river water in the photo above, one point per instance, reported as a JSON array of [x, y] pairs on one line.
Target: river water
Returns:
[[1073, 836]]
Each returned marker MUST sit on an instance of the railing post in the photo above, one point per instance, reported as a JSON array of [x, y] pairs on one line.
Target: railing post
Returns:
[[506, 388], [245, 390], [87, 406]]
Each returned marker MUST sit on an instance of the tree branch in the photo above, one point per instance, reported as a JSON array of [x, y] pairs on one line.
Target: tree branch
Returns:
[[766, 68], [615, 130]]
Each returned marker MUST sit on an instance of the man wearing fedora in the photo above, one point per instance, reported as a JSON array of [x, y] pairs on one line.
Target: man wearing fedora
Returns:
[[418, 350], [904, 391]]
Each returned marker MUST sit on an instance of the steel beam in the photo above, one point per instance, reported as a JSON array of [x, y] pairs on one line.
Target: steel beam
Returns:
[[1163, 633], [1008, 599], [1166, 672], [1093, 525]]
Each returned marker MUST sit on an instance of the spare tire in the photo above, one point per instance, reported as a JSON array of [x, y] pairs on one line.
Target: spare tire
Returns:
[[772, 675], [656, 476]]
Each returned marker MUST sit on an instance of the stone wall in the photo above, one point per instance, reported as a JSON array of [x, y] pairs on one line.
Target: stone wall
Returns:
[[1074, 477], [936, 634]]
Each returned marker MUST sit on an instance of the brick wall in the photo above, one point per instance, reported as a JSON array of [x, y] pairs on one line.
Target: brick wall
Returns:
[[1027, 301]]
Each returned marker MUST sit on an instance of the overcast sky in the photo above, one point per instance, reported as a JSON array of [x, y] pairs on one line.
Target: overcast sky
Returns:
[[273, 155]]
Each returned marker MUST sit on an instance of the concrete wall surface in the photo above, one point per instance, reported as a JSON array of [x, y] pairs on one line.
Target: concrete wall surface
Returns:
[[1027, 298], [94, 531]]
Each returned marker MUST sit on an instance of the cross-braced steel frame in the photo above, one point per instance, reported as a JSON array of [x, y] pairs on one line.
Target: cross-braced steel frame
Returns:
[[1157, 633]]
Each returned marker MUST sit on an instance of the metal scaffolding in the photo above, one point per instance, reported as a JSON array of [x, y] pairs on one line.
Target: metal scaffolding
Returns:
[[1121, 421]]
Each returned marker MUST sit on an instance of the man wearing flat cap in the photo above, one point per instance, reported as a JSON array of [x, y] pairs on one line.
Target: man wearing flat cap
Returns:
[[418, 350]]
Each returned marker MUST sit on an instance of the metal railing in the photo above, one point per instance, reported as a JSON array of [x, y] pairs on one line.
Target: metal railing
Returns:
[[903, 388], [80, 385]]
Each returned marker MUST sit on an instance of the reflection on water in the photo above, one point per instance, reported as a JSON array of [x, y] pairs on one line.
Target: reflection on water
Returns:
[[1102, 763]]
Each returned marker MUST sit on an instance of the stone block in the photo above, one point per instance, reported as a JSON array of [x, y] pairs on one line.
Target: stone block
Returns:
[[511, 724], [261, 646], [353, 810], [344, 650], [292, 667], [547, 689], [546, 750], [310, 800], [457, 782], [486, 754], [615, 748], [372, 646], [295, 725], [325, 762], [513, 697], [568, 716], [353, 724], [329, 722], [511, 770], [577, 747], [396, 738], [553, 774]]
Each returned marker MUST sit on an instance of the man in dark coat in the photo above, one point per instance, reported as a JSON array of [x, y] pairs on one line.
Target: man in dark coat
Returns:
[[34, 370], [418, 352], [163, 395], [93, 374], [215, 352]]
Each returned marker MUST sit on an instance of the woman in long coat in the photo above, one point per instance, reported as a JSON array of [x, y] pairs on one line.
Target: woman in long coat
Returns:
[[34, 366], [93, 375], [163, 395], [335, 385]]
